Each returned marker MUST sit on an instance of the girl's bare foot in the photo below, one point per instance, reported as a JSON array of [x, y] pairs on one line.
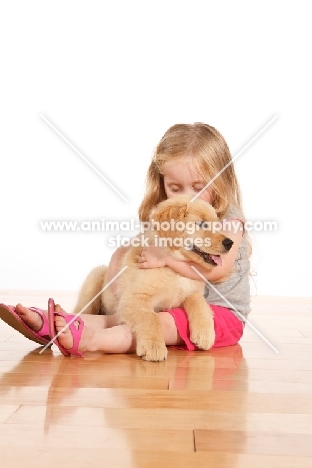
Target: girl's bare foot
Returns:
[[31, 318], [65, 338]]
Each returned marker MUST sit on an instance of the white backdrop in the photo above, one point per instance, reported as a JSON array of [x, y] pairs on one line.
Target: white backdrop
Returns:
[[112, 77]]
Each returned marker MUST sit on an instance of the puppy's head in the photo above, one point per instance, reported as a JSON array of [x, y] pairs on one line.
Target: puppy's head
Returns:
[[191, 229]]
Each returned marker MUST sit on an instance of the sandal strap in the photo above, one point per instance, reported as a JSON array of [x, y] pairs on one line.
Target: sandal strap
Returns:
[[76, 331], [44, 331]]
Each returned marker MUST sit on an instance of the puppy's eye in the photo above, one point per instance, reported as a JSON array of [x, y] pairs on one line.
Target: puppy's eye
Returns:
[[203, 225]]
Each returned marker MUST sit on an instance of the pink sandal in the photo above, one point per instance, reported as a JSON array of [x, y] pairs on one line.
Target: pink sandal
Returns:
[[75, 325], [9, 316]]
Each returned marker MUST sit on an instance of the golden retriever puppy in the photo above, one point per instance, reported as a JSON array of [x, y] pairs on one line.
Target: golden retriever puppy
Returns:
[[183, 228]]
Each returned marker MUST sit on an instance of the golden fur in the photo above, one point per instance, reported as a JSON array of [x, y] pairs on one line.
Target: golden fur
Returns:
[[143, 292]]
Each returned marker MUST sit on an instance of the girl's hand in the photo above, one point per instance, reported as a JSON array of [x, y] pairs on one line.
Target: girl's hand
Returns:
[[153, 257]]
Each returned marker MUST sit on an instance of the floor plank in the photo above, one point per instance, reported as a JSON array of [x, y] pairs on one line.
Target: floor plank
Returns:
[[90, 437], [258, 443], [126, 458], [155, 418]]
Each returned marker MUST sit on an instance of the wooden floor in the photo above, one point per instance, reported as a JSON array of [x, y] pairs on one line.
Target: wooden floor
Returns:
[[240, 406]]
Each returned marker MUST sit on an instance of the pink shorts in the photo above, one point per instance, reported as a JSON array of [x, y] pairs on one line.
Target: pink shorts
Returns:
[[228, 328]]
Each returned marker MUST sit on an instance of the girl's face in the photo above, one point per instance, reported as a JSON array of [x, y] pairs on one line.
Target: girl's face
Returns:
[[182, 179]]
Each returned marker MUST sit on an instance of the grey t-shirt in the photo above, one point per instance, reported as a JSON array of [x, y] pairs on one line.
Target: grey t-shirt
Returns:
[[234, 292]]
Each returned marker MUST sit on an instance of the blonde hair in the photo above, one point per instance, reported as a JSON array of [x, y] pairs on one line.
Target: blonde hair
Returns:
[[206, 148]]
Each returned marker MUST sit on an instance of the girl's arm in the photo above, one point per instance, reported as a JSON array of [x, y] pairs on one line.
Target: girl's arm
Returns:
[[156, 257]]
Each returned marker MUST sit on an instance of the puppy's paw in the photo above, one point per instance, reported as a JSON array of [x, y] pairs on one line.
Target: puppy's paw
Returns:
[[151, 350], [203, 338]]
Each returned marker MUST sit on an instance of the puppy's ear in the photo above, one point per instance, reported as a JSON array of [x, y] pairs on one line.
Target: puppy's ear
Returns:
[[166, 211], [165, 216]]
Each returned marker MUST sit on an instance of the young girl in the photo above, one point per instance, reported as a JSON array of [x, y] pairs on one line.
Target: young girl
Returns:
[[191, 159]]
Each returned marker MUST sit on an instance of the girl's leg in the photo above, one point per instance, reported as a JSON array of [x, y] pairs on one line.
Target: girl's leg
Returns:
[[228, 328], [114, 340]]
